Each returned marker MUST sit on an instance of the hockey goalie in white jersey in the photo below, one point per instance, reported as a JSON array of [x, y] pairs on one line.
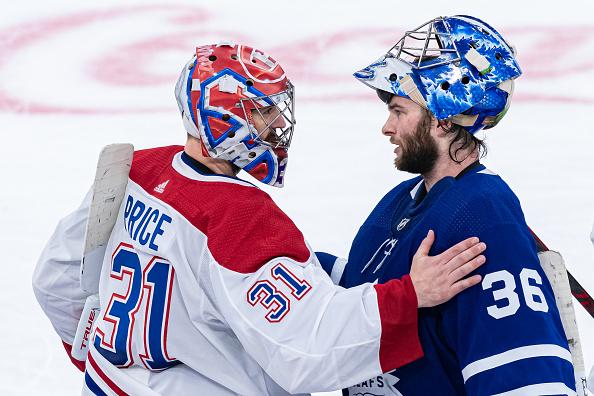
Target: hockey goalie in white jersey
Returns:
[[207, 287]]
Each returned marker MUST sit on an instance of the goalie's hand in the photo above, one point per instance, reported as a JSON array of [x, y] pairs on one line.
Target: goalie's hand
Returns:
[[437, 279]]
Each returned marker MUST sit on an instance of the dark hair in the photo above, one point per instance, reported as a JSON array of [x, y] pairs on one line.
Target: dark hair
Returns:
[[462, 140]]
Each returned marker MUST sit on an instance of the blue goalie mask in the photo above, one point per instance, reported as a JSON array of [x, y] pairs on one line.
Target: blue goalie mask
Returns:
[[459, 68]]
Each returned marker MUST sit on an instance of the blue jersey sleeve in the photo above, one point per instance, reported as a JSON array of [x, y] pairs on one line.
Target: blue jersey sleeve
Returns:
[[333, 265], [506, 331]]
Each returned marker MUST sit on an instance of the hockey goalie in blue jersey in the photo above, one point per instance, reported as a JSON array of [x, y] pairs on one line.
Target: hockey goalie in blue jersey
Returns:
[[442, 83]]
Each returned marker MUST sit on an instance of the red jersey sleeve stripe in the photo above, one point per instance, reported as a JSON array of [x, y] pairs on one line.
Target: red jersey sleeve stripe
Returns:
[[399, 342], [78, 363]]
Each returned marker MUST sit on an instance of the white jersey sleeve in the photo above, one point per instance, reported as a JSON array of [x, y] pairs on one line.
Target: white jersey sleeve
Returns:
[[305, 332], [56, 279]]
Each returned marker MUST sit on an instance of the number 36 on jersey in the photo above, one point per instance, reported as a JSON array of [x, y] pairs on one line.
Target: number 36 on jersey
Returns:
[[506, 296]]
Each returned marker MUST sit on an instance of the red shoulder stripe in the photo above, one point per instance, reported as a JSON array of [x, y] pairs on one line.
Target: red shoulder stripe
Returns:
[[244, 227]]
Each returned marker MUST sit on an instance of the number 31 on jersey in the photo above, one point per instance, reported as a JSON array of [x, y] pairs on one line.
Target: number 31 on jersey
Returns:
[[267, 294], [147, 284]]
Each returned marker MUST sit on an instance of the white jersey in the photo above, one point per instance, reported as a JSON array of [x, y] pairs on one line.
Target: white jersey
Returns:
[[208, 288]]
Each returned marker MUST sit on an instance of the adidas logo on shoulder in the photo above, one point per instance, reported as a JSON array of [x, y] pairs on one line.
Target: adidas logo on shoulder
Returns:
[[161, 187]]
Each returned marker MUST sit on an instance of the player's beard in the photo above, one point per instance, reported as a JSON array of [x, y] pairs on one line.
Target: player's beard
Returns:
[[419, 151]]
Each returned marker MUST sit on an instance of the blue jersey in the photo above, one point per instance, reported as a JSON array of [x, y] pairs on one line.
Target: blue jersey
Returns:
[[503, 336]]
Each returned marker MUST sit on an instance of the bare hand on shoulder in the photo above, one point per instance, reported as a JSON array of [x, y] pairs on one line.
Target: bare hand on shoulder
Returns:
[[437, 279]]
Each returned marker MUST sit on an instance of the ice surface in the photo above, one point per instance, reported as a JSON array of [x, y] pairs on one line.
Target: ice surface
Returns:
[[75, 76]]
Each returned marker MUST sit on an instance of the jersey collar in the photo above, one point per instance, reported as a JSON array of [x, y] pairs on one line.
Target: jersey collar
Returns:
[[192, 169], [419, 192]]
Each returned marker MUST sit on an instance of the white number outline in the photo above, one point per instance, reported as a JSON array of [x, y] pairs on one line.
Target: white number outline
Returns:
[[508, 292]]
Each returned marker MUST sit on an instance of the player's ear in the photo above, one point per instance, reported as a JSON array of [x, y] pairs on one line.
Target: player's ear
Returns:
[[442, 126]]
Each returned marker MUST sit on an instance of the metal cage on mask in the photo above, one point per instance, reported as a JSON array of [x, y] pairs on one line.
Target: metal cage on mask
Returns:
[[431, 46], [223, 93], [263, 151], [278, 138], [459, 68]]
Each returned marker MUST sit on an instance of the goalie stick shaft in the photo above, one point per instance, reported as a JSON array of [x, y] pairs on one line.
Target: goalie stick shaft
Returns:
[[577, 290], [581, 294], [109, 187]]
